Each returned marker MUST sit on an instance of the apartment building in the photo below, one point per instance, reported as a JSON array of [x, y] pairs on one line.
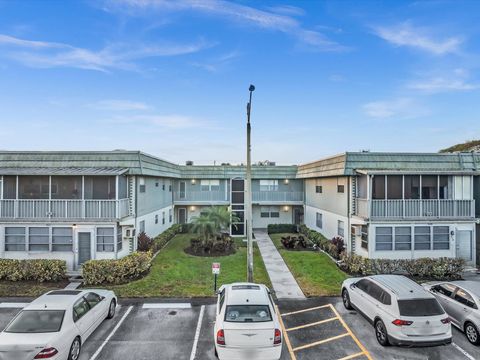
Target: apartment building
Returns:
[[396, 206]]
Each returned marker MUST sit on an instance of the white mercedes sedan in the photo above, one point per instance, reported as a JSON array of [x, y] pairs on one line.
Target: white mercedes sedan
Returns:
[[247, 325], [55, 325]]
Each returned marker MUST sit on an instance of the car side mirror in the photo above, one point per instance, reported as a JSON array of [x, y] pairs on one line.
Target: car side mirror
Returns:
[[432, 289], [352, 286]]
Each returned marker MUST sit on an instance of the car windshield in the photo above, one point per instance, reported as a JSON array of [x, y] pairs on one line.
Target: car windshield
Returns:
[[247, 313], [37, 321], [420, 307]]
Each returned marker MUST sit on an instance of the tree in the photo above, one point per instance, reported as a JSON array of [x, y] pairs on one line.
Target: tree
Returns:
[[222, 217], [204, 226]]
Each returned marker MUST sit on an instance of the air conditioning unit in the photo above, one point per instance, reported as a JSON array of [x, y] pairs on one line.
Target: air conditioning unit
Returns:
[[129, 232], [357, 230]]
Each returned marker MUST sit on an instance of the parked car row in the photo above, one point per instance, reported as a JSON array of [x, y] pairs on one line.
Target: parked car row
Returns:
[[403, 312]]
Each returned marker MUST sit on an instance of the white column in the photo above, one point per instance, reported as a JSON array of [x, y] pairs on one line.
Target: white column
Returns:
[[369, 195], [116, 201], [15, 208], [403, 196], [83, 196]]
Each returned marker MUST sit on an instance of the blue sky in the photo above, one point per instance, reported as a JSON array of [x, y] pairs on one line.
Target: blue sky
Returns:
[[171, 77]]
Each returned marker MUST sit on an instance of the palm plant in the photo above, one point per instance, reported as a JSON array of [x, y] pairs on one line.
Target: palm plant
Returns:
[[204, 226], [222, 217]]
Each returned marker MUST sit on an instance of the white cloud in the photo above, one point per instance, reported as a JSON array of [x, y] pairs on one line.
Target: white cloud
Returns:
[[407, 35], [277, 21], [119, 105], [458, 80], [395, 108], [44, 54]]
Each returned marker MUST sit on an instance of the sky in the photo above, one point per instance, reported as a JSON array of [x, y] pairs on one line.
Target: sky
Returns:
[[171, 78]]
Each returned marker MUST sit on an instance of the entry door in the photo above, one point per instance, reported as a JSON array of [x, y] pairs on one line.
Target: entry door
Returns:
[[182, 215], [465, 245], [84, 247], [298, 216]]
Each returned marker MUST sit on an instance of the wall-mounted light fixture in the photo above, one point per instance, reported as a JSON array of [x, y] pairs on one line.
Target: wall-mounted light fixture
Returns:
[[192, 208], [194, 181], [286, 181], [74, 226], [286, 208]]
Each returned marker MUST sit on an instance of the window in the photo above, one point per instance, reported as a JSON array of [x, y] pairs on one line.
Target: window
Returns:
[[38, 239], [156, 183], [268, 185], [119, 238], [394, 186], [100, 187], [247, 313], [163, 186], [141, 226], [383, 238], [221, 300], [170, 217], [429, 187], [445, 289], [340, 188], [62, 239], [156, 219], [318, 189], [93, 299], [444, 187], [36, 321], [378, 187], [170, 188], [141, 183], [9, 187], [163, 217], [420, 307], [403, 238], [105, 239], [269, 211], [341, 228], [379, 294], [319, 221], [80, 308], [465, 298], [15, 239], [274, 214], [66, 187], [33, 187], [422, 237], [210, 185], [365, 236], [363, 285], [441, 238]]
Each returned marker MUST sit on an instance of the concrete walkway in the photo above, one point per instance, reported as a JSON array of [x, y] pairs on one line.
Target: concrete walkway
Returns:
[[283, 282]]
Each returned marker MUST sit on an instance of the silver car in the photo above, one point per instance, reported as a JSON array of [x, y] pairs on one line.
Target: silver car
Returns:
[[461, 301]]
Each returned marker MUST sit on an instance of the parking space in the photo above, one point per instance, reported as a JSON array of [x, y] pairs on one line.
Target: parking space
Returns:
[[318, 330]]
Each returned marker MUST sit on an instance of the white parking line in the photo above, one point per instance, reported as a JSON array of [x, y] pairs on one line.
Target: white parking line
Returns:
[[197, 333], [167, 306], [13, 305], [467, 355], [99, 350]]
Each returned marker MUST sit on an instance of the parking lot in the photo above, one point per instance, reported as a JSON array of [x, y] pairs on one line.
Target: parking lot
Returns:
[[314, 328]]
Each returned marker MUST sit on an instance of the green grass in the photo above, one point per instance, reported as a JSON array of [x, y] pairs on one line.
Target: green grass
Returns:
[[177, 274], [28, 288], [314, 271]]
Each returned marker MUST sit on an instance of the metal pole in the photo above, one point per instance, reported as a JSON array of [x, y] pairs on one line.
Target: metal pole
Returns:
[[248, 194]]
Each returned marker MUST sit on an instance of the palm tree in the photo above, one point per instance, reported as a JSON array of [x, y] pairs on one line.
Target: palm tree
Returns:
[[204, 226], [222, 217]]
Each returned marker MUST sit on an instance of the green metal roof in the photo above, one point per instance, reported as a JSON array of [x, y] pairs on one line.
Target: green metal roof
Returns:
[[350, 163], [232, 171]]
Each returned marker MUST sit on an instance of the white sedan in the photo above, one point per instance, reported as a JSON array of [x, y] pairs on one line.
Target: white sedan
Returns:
[[55, 325], [247, 325]]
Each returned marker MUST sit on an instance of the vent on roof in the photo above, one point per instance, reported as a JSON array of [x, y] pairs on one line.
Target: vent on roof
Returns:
[[245, 287], [64, 292], [189, 163]]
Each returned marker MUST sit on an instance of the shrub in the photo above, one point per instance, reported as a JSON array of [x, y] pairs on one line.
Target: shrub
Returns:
[[119, 271], [144, 242], [337, 248], [40, 270], [165, 237], [424, 268], [294, 242], [281, 228]]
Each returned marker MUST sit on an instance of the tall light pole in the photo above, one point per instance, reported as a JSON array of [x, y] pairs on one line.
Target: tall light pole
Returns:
[[248, 194]]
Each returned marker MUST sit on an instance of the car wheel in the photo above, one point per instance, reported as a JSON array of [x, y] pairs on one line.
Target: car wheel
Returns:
[[472, 333], [111, 309], [74, 352], [346, 300], [381, 333]]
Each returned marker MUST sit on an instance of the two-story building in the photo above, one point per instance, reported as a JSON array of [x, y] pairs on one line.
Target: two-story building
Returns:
[[394, 205]]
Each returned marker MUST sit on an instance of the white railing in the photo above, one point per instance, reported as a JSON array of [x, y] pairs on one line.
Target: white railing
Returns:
[[201, 196], [410, 208], [277, 196], [64, 209]]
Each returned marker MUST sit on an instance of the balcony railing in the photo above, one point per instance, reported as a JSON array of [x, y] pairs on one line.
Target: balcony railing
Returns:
[[201, 196], [409, 208], [277, 196], [64, 209]]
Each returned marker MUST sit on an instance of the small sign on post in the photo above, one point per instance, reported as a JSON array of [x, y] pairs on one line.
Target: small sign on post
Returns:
[[215, 272]]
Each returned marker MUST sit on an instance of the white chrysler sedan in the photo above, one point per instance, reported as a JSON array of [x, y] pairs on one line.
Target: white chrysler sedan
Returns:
[[55, 325], [247, 325]]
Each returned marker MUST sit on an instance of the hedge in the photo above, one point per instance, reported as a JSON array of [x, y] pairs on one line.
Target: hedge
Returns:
[[281, 228], [126, 269], [333, 248], [119, 271], [40, 270], [423, 268]]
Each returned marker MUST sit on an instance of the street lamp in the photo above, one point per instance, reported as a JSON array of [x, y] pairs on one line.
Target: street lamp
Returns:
[[248, 194]]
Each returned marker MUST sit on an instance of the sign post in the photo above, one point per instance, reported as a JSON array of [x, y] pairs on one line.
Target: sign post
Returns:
[[215, 272]]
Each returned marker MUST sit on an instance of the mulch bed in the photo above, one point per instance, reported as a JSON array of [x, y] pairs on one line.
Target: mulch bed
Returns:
[[212, 253]]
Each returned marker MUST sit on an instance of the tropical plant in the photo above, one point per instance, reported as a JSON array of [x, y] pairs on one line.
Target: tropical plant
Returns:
[[204, 226]]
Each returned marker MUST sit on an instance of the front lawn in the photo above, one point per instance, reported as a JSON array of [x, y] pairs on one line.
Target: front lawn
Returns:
[[177, 274], [314, 271]]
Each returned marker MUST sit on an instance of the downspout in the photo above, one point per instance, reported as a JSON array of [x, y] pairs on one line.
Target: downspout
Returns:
[[349, 215]]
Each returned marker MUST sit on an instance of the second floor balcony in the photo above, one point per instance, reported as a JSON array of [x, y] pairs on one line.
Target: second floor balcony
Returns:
[[44, 209], [283, 197], [415, 209], [201, 197]]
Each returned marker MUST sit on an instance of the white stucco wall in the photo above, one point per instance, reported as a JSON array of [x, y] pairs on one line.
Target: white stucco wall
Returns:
[[152, 229], [286, 217], [330, 222]]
